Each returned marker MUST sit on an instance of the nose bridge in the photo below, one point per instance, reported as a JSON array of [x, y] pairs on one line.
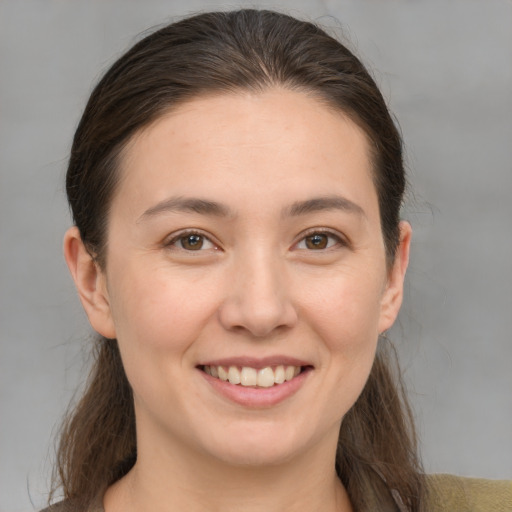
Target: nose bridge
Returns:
[[258, 298]]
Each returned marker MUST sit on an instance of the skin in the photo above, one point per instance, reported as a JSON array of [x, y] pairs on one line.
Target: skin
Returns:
[[257, 288]]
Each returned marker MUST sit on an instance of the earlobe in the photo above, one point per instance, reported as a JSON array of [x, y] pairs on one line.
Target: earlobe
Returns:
[[90, 283], [393, 294]]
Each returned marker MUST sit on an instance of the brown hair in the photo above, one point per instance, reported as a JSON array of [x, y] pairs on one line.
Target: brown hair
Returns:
[[221, 52]]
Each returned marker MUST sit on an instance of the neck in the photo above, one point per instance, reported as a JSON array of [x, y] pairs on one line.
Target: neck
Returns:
[[164, 481]]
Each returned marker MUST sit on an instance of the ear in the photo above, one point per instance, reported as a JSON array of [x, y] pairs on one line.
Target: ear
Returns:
[[90, 282], [394, 291]]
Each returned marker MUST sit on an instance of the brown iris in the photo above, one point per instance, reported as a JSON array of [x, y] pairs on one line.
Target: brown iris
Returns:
[[192, 242], [317, 241]]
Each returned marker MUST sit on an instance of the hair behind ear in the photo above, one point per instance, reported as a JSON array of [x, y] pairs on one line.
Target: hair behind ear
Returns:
[[97, 442], [377, 445]]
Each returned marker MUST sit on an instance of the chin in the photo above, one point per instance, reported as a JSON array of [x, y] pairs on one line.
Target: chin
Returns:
[[254, 457], [257, 446]]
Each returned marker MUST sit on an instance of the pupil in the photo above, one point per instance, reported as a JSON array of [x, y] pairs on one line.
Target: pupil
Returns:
[[317, 242], [193, 242]]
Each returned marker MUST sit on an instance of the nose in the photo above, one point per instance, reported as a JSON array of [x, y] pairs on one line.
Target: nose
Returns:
[[258, 297]]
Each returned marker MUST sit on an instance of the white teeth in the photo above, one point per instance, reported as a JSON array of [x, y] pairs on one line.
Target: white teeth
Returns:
[[279, 377], [247, 376], [233, 375], [266, 377], [289, 372]]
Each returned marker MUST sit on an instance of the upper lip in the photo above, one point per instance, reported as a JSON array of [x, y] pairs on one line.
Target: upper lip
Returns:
[[256, 362]]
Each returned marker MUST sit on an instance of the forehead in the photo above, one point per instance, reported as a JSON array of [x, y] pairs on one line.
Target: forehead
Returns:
[[235, 144]]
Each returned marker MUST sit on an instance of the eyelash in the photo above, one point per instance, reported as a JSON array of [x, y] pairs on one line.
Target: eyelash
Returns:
[[338, 240], [184, 234]]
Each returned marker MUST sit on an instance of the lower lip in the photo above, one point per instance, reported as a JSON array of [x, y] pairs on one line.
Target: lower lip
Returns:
[[257, 397]]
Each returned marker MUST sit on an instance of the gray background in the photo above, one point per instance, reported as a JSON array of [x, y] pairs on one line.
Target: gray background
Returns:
[[446, 69]]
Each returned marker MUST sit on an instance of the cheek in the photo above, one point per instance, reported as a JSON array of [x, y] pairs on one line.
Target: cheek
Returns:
[[345, 313], [158, 318], [346, 318], [154, 310]]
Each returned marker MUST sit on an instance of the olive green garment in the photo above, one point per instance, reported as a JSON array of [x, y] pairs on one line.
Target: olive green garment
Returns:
[[453, 493], [447, 493]]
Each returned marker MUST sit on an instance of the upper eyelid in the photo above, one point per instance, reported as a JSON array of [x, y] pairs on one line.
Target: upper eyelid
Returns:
[[174, 237], [322, 231]]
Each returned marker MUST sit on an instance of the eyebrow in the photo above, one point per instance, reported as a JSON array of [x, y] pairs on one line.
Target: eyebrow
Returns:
[[187, 204], [318, 204], [212, 208]]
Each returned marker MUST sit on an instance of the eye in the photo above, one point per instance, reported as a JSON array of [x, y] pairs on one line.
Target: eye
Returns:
[[191, 241], [319, 240]]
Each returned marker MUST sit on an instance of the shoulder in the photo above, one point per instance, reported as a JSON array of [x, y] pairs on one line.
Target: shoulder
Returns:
[[450, 492]]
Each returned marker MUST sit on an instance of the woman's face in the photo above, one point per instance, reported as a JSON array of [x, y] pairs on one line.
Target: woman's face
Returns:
[[244, 239]]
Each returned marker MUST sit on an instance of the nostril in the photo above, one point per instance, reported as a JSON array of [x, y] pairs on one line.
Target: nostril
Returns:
[[260, 312]]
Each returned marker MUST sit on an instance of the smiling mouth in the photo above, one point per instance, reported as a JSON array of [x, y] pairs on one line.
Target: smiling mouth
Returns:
[[251, 377]]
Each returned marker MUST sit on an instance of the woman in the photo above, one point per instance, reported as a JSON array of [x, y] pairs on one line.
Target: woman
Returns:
[[235, 182]]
